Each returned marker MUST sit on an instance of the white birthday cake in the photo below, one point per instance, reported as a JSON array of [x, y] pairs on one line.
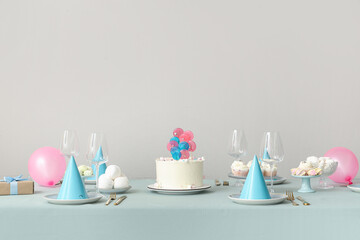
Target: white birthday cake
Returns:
[[181, 171]]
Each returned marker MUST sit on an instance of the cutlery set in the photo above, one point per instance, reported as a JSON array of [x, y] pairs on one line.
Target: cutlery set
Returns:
[[291, 198], [113, 197]]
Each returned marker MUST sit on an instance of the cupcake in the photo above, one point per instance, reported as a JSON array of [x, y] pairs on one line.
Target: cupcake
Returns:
[[238, 168], [267, 169]]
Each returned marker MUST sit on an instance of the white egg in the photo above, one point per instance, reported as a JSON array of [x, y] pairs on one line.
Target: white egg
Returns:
[[113, 171], [121, 182], [105, 182]]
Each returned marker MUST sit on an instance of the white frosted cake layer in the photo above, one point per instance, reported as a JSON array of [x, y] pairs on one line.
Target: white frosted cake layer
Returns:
[[181, 174]]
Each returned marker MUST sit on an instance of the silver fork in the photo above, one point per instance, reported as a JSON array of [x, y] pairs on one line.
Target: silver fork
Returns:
[[112, 197]]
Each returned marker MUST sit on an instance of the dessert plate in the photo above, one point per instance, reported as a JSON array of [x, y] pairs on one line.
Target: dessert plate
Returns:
[[114, 190], [88, 181], [93, 197], [354, 187], [277, 179], [275, 199], [152, 188]]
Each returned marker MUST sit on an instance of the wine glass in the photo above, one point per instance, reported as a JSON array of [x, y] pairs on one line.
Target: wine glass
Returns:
[[97, 153], [70, 145], [237, 147], [271, 142]]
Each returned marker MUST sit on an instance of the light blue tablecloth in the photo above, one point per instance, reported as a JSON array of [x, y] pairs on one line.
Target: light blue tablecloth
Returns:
[[333, 214]]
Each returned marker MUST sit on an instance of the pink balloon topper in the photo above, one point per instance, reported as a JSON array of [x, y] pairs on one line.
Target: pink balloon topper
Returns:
[[181, 144]]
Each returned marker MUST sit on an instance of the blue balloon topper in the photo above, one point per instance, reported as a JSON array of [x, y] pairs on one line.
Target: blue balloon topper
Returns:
[[176, 155], [184, 145], [174, 149], [176, 139]]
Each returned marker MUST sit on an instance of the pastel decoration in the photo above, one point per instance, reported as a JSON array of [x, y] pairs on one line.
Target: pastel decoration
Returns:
[[72, 186], [266, 155], [185, 154], [184, 138], [172, 144], [192, 146], [348, 165], [255, 186], [177, 132], [113, 171], [189, 134], [184, 146], [176, 139], [102, 169], [175, 152], [47, 166]]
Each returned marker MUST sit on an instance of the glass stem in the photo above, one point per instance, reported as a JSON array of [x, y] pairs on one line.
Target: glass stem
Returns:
[[271, 178], [97, 177]]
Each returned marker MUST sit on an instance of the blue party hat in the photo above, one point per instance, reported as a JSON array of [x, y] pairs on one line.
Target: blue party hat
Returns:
[[72, 186], [99, 156], [266, 155], [102, 169], [255, 187]]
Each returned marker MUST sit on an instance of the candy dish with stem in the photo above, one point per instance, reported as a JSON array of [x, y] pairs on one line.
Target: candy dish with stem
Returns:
[[324, 180], [306, 184]]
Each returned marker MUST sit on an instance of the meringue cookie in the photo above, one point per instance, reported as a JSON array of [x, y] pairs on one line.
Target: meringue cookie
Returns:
[[113, 171], [105, 182], [121, 182]]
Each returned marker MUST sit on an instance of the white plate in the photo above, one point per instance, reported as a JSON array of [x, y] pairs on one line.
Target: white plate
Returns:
[[275, 199], [354, 187], [114, 190], [277, 179], [152, 188], [93, 197]]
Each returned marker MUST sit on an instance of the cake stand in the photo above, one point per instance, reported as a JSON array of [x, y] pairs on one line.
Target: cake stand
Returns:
[[305, 184]]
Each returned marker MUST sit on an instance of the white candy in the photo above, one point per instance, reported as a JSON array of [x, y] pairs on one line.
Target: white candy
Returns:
[[121, 182], [105, 182], [113, 171]]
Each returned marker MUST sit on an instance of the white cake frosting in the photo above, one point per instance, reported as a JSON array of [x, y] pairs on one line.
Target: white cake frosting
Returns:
[[179, 174]]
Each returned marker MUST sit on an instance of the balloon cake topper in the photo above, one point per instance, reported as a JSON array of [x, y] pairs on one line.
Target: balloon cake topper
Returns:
[[181, 144]]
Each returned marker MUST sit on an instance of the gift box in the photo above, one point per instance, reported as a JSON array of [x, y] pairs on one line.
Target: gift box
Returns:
[[16, 186]]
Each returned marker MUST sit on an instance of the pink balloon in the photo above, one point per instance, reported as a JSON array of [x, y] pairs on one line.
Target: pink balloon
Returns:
[[177, 132], [172, 144], [185, 154], [184, 138], [348, 164], [47, 166], [192, 146], [190, 135]]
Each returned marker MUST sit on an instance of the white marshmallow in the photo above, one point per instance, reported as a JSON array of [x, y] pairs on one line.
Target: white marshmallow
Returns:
[[113, 171], [121, 182], [105, 182]]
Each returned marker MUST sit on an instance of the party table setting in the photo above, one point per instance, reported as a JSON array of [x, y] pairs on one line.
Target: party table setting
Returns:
[[63, 200]]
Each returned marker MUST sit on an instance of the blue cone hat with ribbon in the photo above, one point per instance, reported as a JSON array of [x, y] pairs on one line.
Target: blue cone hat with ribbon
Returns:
[[255, 186], [72, 186]]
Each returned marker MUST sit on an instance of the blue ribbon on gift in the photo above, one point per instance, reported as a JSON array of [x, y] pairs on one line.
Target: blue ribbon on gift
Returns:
[[13, 183]]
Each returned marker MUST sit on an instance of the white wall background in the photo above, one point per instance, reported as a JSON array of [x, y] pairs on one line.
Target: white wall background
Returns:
[[137, 69]]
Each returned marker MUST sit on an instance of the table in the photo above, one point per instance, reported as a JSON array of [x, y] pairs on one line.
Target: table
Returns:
[[333, 214]]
